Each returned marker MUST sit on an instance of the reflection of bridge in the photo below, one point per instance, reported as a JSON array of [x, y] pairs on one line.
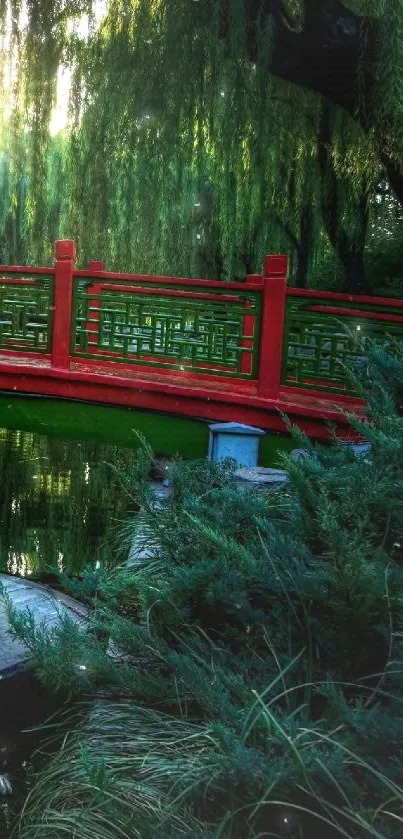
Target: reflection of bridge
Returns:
[[196, 349]]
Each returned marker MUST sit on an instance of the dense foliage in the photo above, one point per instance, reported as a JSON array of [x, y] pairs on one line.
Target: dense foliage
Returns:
[[247, 675], [187, 151]]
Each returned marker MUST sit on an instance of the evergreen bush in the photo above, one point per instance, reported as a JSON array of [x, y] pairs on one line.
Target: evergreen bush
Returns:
[[253, 682]]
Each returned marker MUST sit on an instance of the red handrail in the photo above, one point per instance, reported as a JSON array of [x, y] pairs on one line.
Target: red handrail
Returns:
[[271, 285]]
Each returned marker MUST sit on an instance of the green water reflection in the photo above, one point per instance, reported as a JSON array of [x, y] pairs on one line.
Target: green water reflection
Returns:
[[60, 502]]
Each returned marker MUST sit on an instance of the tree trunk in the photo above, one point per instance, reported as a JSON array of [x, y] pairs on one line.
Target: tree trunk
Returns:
[[352, 261], [394, 175], [304, 250], [349, 246], [334, 55]]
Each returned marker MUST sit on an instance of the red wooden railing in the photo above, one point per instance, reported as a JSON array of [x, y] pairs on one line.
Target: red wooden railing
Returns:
[[262, 297], [326, 333], [257, 335]]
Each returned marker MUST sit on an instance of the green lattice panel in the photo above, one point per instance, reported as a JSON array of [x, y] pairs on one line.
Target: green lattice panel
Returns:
[[205, 335], [25, 312], [318, 347]]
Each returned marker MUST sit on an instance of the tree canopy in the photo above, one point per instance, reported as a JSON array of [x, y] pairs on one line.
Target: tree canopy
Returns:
[[202, 135]]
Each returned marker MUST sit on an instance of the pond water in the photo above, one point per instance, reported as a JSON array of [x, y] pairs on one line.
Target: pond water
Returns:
[[61, 502], [24, 705]]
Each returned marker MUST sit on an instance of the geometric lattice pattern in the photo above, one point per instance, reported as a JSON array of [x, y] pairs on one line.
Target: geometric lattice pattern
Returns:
[[202, 334], [26, 312], [319, 345]]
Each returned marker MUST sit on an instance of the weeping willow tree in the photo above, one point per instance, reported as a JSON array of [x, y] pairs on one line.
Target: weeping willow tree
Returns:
[[184, 169], [214, 160], [36, 38], [201, 135]]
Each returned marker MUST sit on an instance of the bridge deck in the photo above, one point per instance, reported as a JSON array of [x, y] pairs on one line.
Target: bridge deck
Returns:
[[172, 391], [47, 605]]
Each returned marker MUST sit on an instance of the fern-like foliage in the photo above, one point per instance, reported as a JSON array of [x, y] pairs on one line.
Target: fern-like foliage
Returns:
[[272, 623]]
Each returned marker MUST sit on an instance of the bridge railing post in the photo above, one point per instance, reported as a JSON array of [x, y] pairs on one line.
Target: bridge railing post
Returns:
[[95, 304], [272, 325], [65, 252]]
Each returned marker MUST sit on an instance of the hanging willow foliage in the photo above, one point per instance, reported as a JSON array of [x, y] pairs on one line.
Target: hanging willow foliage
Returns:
[[34, 38], [187, 154], [181, 155]]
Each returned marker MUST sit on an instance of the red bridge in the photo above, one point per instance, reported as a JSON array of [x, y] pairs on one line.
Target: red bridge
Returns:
[[205, 349]]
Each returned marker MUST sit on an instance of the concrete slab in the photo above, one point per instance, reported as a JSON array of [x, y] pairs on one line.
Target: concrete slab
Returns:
[[47, 606]]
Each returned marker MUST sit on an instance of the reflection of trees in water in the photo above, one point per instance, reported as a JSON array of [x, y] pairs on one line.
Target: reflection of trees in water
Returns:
[[59, 501]]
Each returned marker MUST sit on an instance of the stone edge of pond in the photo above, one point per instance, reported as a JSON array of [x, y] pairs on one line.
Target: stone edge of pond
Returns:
[[11, 648]]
